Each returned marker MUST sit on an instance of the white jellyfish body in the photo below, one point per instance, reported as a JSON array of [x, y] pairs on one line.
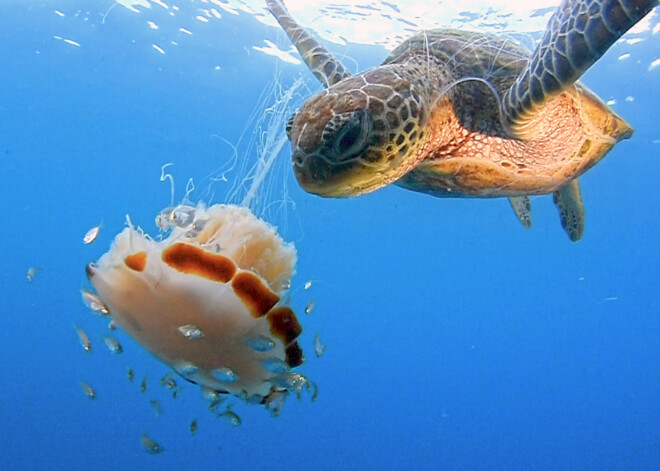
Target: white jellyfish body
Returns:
[[225, 280]]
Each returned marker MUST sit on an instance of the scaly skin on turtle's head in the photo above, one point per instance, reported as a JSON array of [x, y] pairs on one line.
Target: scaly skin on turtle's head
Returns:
[[358, 135]]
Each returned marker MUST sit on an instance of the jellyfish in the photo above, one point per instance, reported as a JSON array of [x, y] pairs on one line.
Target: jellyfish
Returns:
[[207, 299]]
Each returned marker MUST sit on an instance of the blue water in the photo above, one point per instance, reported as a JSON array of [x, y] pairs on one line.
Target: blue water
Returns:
[[456, 339]]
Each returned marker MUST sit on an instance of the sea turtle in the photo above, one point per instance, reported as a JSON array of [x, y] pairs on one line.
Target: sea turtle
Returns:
[[454, 113]]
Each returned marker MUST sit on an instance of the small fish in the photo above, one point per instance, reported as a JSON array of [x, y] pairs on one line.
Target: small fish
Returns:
[[88, 390], [191, 332], [193, 427], [92, 234], [199, 224], [308, 284], [260, 343], [315, 390], [289, 381], [168, 381], [176, 393], [319, 348], [164, 219], [151, 446], [185, 369], [183, 216], [254, 399], [225, 375], [112, 325], [93, 302], [309, 307], [143, 385], [275, 365], [130, 375], [113, 345], [84, 340], [214, 405], [155, 406], [31, 273], [210, 394], [230, 417], [274, 402], [191, 234]]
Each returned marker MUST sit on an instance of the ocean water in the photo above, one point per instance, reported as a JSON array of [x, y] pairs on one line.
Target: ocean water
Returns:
[[455, 338]]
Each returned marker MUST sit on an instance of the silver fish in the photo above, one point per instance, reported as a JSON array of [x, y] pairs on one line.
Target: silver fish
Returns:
[[191, 332], [164, 219], [289, 381], [168, 381], [93, 302], [260, 343], [88, 390], [275, 365], [319, 348], [84, 340], [91, 234], [209, 394], [230, 417], [113, 345], [31, 273], [183, 216], [185, 369], [150, 446], [225, 375], [309, 307], [155, 405]]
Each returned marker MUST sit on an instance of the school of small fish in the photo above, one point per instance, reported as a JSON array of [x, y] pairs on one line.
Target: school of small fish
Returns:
[[284, 381]]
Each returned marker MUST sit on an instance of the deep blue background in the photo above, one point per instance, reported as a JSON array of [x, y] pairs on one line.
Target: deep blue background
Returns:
[[456, 339]]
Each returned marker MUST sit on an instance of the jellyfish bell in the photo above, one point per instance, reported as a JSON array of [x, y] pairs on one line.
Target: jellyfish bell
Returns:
[[225, 280]]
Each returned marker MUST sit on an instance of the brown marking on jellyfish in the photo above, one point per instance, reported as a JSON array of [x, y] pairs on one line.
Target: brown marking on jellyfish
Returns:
[[189, 259], [256, 296], [136, 261], [294, 355], [283, 324]]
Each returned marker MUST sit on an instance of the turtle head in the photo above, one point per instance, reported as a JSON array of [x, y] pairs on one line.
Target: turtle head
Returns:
[[359, 135]]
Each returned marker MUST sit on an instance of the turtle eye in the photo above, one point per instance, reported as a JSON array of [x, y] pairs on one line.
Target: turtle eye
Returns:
[[289, 126], [349, 133]]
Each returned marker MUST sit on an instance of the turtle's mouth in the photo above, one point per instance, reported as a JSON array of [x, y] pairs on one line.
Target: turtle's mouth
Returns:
[[318, 176]]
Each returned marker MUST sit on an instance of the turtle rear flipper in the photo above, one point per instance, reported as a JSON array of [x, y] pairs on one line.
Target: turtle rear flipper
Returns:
[[323, 64], [522, 206], [571, 210], [577, 35]]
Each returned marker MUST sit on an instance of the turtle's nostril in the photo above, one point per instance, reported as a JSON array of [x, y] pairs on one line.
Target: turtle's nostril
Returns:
[[298, 157]]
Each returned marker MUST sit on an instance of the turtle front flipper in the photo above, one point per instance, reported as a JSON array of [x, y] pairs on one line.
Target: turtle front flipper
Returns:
[[571, 210], [325, 66], [522, 206], [577, 35]]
